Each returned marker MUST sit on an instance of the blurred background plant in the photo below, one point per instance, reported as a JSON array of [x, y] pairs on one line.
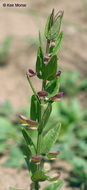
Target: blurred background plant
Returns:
[[4, 49]]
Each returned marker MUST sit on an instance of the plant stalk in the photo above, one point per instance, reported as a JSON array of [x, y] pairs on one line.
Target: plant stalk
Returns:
[[39, 138], [47, 46], [34, 91], [36, 186]]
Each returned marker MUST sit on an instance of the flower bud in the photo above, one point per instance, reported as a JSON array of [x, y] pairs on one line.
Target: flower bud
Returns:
[[46, 59], [57, 97], [42, 94], [36, 159], [31, 73], [53, 155], [31, 124], [58, 74]]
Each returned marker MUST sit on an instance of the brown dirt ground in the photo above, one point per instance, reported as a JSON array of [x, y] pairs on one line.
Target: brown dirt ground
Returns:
[[21, 22]]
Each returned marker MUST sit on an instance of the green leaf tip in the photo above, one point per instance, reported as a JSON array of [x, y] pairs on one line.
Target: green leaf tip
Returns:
[[53, 25]]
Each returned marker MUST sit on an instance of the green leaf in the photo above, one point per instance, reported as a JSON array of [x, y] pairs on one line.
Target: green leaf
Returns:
[[50, 69], [55, 29], [39, 63], [52, 87], [58, 44], [45, 117], [40, 40], [50, 138], [49, 23], [55, 186], [35, 110], [31, 167], [39, 176], [29, 141]]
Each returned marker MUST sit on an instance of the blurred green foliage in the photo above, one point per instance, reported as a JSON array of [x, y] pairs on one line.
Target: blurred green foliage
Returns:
[[4, 50]]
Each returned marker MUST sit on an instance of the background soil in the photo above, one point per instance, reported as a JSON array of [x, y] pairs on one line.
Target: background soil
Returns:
[[22, 23]]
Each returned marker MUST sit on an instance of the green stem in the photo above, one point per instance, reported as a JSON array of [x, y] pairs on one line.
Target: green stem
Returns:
[[47, 46], [34, 91], [39, 138], [43, 85], [36, 186]]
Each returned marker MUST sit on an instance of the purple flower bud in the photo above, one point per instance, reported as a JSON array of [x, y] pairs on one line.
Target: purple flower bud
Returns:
[[46, 58], [42, 94], [58, 74], [57, 97], [31, 73], [53, 155], [36, 159], [55, 178], [31, 124]]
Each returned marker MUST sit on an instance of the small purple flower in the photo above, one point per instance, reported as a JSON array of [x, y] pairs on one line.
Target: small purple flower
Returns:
[[31, 73], [42, 94], [31, 124], [57, 97], [58, 74], [53, 155], [46, 59], [36, 159]]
